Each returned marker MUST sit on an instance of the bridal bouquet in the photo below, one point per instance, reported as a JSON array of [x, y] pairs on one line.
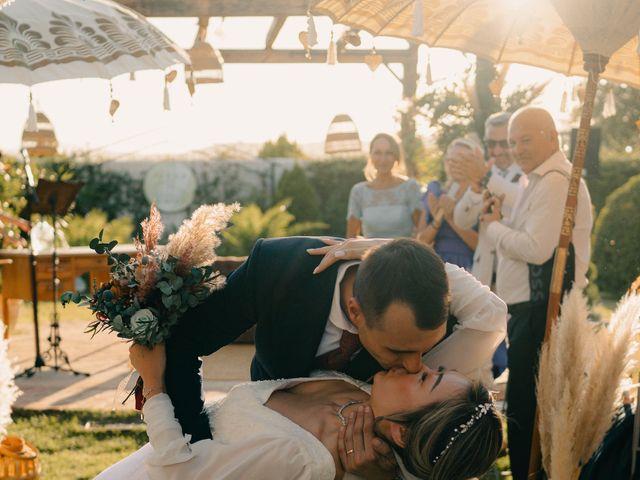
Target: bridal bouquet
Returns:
[[147, 293]]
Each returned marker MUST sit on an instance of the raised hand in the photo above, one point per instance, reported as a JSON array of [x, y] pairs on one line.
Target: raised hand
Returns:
[[468, 166]]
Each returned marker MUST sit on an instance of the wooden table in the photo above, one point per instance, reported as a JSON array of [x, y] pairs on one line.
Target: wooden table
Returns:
[[73, 262]]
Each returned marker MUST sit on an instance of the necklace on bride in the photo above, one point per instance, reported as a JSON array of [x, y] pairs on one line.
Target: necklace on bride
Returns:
[[343, 406]]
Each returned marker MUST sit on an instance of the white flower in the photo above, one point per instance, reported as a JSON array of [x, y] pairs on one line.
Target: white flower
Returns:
[[8, 390], [141, 319]]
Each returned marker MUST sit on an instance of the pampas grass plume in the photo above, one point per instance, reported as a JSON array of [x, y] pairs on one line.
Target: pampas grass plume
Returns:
[[8, 390], [195, 241], [579, 383]]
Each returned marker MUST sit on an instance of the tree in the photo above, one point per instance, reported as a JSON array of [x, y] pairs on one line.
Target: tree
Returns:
[[460, 109], [620, 130], [294, 185], [251, 223], [281, 148]]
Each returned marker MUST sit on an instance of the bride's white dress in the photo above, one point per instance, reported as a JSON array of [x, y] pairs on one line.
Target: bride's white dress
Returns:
[[250, 441]]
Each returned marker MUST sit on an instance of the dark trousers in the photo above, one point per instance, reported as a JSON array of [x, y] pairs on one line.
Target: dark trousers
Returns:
[[526, 333]]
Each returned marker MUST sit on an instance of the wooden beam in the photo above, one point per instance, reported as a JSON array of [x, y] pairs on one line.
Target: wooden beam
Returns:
[[217, 8], [317, 56], [274, 30]]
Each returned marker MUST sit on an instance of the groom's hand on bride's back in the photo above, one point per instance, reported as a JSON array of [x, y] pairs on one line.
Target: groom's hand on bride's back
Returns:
[[361, 452]]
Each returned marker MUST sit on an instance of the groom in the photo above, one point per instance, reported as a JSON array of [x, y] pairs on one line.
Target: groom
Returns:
[[395, 303]]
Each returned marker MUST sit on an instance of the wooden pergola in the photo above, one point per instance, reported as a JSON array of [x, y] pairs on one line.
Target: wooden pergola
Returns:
[[279, 10]]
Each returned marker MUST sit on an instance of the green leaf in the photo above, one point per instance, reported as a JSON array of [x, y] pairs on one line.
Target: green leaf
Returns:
[[164, 287], [100, 235], [176, 283], [66, 297], [112, 244], [94, 243], [99, 249]]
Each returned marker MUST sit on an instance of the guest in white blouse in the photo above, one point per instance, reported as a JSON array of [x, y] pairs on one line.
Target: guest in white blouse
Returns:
[[440, 424], [388, 204]]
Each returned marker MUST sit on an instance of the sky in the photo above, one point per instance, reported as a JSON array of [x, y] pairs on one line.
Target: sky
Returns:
[[255, 103]]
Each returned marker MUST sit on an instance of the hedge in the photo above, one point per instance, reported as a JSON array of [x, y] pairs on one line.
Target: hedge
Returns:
[[615, 239]]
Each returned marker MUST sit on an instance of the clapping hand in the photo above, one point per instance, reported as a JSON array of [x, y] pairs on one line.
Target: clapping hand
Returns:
[[491, 208], [469, 166], [447, 205]]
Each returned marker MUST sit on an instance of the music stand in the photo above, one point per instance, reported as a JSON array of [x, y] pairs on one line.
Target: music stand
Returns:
[[51, 198]]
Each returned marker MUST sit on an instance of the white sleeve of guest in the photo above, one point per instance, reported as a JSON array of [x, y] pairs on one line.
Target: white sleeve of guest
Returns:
[[536, 242], [468, 209], [482, 319], [501, 186], [258, 456]]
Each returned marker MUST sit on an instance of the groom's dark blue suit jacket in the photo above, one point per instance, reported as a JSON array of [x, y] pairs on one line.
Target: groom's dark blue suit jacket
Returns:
[[274, 289]]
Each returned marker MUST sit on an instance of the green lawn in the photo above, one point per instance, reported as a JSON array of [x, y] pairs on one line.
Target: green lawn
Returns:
[[78, 444]]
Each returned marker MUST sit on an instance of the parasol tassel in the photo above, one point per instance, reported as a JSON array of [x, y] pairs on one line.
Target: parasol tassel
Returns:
[[563, 102], [609, 109], [417, 29], [166, 103], [429, 75], [332, 52], [114, 104], [32, 119], [312, 33]]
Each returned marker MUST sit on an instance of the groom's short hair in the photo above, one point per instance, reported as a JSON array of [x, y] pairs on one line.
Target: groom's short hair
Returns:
[[404, 271]]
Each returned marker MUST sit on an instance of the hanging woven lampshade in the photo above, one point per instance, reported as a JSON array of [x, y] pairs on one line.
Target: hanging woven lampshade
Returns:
[[206, 60], [42, 142], [342, 136], [18, 460]]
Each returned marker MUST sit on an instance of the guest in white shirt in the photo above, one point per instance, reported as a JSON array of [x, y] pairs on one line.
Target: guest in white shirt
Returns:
[[500, 175], [525, 245]]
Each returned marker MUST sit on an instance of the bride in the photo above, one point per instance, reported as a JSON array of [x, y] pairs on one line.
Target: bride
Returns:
[[439, 424]]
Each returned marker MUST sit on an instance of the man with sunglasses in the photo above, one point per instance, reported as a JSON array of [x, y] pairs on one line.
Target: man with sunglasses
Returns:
[[499, 176]]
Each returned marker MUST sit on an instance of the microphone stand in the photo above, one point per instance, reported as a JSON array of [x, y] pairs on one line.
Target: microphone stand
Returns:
[[32, 199]]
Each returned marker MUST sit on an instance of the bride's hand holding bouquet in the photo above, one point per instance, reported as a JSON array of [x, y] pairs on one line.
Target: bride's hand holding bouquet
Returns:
[[148, 293]]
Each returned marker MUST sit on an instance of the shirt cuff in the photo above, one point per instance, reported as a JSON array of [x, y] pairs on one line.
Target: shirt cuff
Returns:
[[495, 230]]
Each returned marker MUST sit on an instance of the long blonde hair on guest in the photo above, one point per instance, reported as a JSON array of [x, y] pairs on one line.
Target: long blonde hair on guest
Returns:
[[455, 439], [399, 169]]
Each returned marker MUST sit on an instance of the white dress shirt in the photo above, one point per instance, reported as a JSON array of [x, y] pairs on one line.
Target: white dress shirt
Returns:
[[481, 315], [506, 182], [532, 232]]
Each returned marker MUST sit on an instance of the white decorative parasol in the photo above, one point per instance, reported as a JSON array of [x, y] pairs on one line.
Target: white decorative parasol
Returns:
[[530, 32], [44, 40]]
